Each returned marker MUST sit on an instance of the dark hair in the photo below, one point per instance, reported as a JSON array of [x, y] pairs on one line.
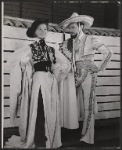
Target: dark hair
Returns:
[[31, 30]]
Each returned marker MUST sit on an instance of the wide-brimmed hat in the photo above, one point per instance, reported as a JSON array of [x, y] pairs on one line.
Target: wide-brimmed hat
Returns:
[[31, 30], [85, 19]]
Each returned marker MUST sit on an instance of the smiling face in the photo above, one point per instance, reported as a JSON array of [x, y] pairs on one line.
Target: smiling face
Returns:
[[41, 31]]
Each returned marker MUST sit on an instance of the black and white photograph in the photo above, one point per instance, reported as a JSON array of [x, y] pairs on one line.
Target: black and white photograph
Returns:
[[60, 74]]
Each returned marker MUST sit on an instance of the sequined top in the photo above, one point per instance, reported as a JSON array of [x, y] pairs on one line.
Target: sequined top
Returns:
[[41, 56]]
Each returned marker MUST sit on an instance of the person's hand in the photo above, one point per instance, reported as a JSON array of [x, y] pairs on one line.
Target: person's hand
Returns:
[[93, 68], [83, 64]]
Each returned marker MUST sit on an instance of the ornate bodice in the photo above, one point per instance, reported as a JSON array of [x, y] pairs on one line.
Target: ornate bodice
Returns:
[[41, 51]]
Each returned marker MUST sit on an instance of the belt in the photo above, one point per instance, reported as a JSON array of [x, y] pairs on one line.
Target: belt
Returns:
[[43, 66]]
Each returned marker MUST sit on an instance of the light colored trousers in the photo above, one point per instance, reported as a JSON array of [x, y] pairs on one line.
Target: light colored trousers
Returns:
[[87, 107]]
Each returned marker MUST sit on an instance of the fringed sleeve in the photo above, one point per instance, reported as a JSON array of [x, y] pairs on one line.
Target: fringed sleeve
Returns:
[[62, 66], [103, 49], [16, 63]]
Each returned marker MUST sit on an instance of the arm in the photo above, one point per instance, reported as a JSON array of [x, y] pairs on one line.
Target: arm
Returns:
[[62, 66], [64, 50], [102, 48], [21, 55]]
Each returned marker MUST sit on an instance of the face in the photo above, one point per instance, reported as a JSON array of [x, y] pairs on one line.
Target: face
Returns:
[[41, 31], [73, 29]]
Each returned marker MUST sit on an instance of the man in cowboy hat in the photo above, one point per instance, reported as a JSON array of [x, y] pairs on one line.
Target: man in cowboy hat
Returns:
[[79, 87]]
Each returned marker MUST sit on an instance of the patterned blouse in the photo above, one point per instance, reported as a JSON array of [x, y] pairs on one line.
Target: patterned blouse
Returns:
[[41, 51]]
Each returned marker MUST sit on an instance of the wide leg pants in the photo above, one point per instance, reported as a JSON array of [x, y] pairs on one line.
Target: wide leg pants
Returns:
[[87, 107]]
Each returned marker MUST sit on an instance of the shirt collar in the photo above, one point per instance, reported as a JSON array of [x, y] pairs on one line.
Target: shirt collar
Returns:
[[81, 35]]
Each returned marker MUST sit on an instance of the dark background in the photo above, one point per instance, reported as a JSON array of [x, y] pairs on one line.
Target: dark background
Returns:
[[106, 15]]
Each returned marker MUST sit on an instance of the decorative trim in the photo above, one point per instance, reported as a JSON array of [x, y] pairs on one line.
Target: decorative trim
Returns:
[[91, 102]]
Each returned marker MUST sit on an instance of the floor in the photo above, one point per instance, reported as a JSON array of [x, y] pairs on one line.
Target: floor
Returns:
[[110, 144], [71, 140]]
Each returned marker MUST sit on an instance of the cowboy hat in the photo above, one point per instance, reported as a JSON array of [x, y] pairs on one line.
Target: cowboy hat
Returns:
[[86, 20], [31, 30]]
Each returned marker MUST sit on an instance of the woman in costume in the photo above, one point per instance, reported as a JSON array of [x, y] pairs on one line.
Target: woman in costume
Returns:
[[35, 70]]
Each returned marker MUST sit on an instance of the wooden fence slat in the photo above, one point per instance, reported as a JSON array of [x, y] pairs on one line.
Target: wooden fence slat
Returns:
[[54, 37], [67, 36], [109, 72], [108, 114], [6, 91], [20, 33], [8, 124], [110, 64], [5, 68], [6, 102], [114, 49], [7, 79], [7, 55], [104, 90], [107, 98], [7, 112], [13, 32], [114, 57], [108, 81], [108, 106], [14, 44], [109, 40]]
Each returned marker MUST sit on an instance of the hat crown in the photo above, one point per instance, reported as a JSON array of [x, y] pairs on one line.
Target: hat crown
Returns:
[[86, 20], [74, 15]]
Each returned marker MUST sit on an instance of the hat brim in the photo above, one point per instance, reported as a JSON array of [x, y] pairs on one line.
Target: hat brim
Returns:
[[86, 20], [30, 32]]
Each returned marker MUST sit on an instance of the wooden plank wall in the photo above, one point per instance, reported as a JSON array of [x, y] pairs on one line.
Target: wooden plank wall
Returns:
[[108, 85]]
